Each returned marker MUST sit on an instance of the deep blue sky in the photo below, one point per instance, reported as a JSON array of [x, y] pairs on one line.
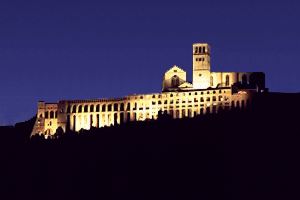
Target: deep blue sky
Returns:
[[52, 50]]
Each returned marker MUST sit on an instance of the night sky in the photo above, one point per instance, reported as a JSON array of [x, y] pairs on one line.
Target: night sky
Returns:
[[53, 50]]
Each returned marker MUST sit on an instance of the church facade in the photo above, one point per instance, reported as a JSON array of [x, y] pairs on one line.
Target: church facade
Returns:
[[207, 93]]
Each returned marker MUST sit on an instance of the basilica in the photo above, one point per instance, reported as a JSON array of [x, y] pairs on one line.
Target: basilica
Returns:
[[209, 92]]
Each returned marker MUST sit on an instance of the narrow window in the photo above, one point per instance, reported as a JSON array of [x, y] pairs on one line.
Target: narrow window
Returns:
[[227, 80], [211, 81]]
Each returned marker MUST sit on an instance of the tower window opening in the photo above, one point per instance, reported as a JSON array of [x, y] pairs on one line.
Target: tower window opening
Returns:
[[227, 80]]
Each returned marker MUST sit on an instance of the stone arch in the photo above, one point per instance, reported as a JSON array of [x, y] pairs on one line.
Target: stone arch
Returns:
[[74, 109], [128, 117], [128, 106], [116, 107], [190, 113], [92, 108], [80, 108], [98, 121], [103, 108], [122, 107], [74, 122], [86, 108], [97, 108], [41, 115], [109, 107], [91, 121], [69, 109], [122, 118], [115, 118]]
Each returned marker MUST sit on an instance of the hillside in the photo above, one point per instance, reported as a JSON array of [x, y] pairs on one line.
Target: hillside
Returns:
[[249, 154]]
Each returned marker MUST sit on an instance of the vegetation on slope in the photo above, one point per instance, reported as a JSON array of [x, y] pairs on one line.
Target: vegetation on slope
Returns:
[[250, 154]]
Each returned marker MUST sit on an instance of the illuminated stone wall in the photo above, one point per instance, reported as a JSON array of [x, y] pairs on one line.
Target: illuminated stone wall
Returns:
[[107, 112], [208, 93]]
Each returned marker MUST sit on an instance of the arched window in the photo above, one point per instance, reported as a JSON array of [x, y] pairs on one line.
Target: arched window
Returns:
[[211, 81], [92, 108], [128, 106], [74, 109], [41, 116], [122, 107], [196, 49], [103, 108], [86, 107], [46, 114], [227, 80], [98, 108], [69, 109], [109, 107], [244, 79], [115, 107], [80, 109], [175, 81]]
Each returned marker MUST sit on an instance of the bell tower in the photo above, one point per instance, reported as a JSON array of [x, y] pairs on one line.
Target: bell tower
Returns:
[[201, 65]]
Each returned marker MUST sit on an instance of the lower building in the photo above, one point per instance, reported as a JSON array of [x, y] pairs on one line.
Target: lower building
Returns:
[[209, 92]]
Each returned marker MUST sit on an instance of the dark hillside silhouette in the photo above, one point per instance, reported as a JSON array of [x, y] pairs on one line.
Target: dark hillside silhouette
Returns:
[[241, 154]]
